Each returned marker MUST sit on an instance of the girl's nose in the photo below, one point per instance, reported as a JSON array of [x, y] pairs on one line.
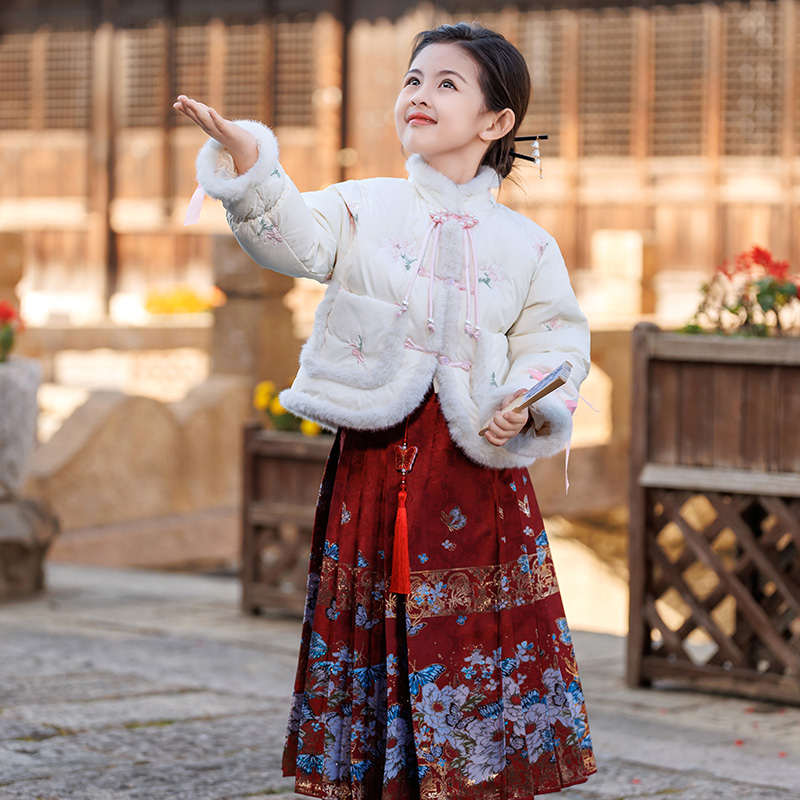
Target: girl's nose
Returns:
[[418, 97]]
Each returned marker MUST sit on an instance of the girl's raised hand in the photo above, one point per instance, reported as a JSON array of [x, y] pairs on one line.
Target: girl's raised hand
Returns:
[[238, 142]]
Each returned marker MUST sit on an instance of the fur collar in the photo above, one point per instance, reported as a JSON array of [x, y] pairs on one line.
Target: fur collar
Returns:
[[441, 192]]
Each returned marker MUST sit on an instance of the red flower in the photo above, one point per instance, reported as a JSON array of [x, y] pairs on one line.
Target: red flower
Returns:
[[778, 269], [7, 312], [725, 269], [761, 256]]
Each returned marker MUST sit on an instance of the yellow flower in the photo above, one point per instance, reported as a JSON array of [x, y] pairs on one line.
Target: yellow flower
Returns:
[[275, 407], [309, 428], [262, 394]]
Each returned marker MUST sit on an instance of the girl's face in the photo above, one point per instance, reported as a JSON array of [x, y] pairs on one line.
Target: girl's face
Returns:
[[440, 112]]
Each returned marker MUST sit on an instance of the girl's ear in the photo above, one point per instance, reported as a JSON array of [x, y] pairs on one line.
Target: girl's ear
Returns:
[[502, 122]]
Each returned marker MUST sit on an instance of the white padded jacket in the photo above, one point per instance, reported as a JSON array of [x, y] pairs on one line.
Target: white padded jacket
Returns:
[[428, 281]]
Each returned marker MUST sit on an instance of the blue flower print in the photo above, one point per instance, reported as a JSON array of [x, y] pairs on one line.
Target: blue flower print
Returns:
[[488, 755], [312, 589], [542, 548], [346, 516], [513, 486], [318, 646], [432, 596], [398, 737], [423, 557], [331, 550], [524, 565], [330, 612], [448, 545], [362, 562], [525, 652], [566, 637], [440, 708], [461, 620]]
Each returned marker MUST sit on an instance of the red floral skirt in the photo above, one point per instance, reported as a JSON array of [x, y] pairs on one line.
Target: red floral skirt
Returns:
[[465, 688]]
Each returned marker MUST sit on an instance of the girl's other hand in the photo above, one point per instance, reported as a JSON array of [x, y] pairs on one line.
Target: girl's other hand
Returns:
[[238, 142], [506, 425]]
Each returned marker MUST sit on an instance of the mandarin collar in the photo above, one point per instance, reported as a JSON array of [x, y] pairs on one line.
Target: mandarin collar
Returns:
[[441, 192]]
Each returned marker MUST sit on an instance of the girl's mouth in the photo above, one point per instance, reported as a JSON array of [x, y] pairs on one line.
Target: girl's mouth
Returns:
[[420, 119]]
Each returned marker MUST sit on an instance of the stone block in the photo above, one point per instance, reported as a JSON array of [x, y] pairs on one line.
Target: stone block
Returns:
[[26, 531], [252, 332], [210, 420], [252, 337], [19, 381], [115, 459], [11, 264]]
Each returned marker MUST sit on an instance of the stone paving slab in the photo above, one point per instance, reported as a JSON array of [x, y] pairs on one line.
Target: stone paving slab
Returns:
[[129, 685]]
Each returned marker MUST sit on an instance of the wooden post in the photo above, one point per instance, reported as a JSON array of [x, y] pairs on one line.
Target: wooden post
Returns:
[[570, 137], [788, 9], [169, 91], [638, 634], [640, 144], [713, 138], [102, 241], [247, 570]]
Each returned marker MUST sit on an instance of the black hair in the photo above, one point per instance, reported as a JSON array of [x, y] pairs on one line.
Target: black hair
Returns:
[[503, 74]]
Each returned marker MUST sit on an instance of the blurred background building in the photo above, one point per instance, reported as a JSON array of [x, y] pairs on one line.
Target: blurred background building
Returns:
[[674, 143], [680, 122]]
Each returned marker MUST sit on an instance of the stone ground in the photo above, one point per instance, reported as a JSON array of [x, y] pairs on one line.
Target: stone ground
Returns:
[[120, 684]]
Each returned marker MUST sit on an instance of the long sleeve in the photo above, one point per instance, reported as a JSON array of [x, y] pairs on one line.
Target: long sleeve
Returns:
[[550, 329], [302, 235]]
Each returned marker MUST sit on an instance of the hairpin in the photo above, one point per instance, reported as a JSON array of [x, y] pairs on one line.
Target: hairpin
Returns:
[[536, 156]]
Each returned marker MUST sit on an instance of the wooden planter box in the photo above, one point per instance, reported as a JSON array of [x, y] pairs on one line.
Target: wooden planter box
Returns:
[[715, 514], [282, 474]]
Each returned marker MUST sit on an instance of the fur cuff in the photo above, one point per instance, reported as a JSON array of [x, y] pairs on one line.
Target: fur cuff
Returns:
[[552, 411], [257, 190]]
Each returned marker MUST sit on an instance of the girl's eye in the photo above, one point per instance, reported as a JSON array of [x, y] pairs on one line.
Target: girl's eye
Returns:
[[411, 82], [448, 85]]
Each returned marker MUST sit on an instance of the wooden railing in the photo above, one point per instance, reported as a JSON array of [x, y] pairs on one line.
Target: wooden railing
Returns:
[[715, 513]]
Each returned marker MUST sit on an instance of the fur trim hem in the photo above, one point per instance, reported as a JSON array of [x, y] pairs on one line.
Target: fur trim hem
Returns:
[[332, 416], [218, 182]]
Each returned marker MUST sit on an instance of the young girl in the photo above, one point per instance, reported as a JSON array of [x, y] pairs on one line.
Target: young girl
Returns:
[[436, 661]]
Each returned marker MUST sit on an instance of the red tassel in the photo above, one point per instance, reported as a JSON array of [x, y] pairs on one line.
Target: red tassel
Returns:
[[401, 572]]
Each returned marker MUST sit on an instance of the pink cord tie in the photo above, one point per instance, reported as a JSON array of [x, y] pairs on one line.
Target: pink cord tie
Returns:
[[443, 360], [571, 402], [467, 222], [195, 205]]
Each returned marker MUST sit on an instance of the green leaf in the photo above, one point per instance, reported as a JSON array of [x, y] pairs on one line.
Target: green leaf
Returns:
[[766, 300]]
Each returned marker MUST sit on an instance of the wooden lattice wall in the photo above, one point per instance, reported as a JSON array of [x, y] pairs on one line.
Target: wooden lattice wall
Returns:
[[715, 514], [680, 120]]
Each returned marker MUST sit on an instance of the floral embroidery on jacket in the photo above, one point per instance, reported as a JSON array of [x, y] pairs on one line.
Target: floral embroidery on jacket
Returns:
[[553, 324], [269, 232], [402, 250], [357, 350], [490, 272]]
